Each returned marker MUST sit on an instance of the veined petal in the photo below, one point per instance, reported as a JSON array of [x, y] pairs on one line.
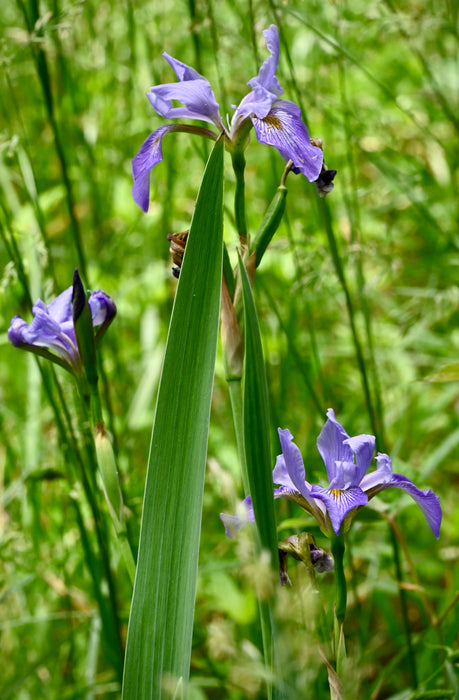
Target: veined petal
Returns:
[[284, 129], [339, 503], [149, 155], [332, 445], [428, 501], [196, 95]]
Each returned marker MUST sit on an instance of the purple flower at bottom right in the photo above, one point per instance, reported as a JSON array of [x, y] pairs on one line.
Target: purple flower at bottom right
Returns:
[[347, 460]]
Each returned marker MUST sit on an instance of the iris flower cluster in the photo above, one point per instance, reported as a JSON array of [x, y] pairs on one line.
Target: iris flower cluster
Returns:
[[52, 333], [347, 460], [276, 122]]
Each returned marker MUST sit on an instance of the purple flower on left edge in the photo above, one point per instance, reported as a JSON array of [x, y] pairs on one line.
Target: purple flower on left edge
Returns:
[[276, 122], [51, 332], [347, 460]]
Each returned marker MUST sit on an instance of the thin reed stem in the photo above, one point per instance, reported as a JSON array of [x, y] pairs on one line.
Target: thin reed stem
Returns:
[[326, 217]]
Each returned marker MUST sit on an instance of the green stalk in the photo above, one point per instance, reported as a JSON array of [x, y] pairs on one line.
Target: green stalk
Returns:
[[238, 160], [338, 549], [300, 362], [404, 607], [109, 614], [339, 269], [41, 65], [91, 490]]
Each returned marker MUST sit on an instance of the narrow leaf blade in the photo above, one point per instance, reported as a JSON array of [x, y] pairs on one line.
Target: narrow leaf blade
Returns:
[[256, 424]]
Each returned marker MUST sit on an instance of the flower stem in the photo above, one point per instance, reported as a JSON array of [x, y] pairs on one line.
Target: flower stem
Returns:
[[338, 549], [339, 268], [238, 160], [404, 607]]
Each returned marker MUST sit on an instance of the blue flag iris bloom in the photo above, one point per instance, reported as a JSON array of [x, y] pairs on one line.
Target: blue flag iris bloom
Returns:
[[51, 332], [276, 122], [347, 460]]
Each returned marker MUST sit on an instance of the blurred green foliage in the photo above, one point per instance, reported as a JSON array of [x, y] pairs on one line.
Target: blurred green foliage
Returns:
[[377, 82]]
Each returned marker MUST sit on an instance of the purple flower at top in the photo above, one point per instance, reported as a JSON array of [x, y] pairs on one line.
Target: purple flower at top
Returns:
[[51, 332], [347, 460], [277, 122]]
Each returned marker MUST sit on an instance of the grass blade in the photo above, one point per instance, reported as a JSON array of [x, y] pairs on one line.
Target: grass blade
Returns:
[[161, 622]]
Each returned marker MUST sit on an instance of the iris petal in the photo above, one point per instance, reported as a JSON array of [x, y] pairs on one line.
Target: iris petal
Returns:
[[428, 501], [284, 129], [332, 445], [266, 77], [363, 446], [281, 475], [339, 503], [181, 70], [149, 155], [234, 523], [294, 463], [196, 95], [52, 327]]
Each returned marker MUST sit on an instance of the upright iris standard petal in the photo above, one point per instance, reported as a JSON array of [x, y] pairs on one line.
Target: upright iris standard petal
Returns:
[[266, 77], [265, 86], [332, 444], [278, 122], [363, 447], [181, 70]]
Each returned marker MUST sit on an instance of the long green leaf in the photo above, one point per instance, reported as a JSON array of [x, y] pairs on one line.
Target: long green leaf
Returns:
[[258, 460], [256, 424], [161, 621]]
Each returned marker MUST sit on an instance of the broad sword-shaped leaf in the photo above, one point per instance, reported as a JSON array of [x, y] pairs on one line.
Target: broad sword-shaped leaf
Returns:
[[161, 621]]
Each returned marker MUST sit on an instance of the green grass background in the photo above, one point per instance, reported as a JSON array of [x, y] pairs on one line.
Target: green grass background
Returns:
[[378, 82]]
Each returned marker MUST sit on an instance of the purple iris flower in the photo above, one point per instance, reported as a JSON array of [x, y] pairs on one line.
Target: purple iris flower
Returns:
[[51, 332], [277, 122], [347, 460]]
